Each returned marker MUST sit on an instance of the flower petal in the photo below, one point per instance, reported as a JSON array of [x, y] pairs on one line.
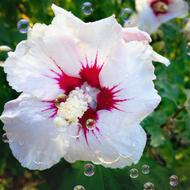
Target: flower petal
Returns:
[[146, 19], [127, 138], [92, 37], [112, 146], [29, 69], [37, 31], [130, 68], [134, 34], [38, 61], [33, 138], [157, 57]]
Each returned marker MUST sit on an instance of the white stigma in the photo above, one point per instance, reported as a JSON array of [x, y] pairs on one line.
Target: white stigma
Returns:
[[70, 111]]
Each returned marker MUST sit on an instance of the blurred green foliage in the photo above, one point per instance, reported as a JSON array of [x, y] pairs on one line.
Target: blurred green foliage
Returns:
[[168, 128]]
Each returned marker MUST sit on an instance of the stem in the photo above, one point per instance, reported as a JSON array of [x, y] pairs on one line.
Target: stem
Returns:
[[174, 116]]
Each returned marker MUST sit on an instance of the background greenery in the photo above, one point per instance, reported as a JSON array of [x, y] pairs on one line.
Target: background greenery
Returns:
[[168, 147]]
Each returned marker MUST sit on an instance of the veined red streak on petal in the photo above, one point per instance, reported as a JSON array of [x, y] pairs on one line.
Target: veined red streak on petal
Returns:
[[90, 74], [89, 114], [107, 99], [66, 82], [51, 107]]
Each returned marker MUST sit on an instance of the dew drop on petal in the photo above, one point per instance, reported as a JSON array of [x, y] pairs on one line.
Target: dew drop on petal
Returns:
[[5, 138], [149, 186], [134, 173], [75, 132], [79, 187], [126, 13], [23, 26], [21, 143], [89, 170], [87, 8], [90, 124], [145, 169], [174, 180], [128, 23]]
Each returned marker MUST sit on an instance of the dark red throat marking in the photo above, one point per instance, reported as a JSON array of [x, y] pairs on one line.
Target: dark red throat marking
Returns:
[[107, 98], [89, 114], [90, 74], [154, 3], [66, 82]]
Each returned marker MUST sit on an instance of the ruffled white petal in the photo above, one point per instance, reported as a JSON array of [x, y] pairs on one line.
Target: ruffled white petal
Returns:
[[141, 4], [134, 34], [157, 57], [92, 37], [37, 31], [149, 22], [34, 140], [128, 139], [29, 69], [116, 145], [64, 49], [130, 67]]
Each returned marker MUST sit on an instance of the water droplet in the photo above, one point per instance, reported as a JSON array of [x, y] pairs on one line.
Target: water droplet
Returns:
[[91, 124], [21, 143], [79, 187], [87, 8], [174, 180], [126, 13], [134, 173], [145, 169], [128, 23], [23, 26], [5, 138], [149, 186], [89, 170]]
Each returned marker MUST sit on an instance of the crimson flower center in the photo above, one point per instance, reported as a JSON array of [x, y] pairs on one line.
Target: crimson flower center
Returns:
[[160, 6], [83, 97]]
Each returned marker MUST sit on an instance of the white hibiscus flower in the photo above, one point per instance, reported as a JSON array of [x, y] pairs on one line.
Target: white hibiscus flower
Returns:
[[152, 13], [85, 89]]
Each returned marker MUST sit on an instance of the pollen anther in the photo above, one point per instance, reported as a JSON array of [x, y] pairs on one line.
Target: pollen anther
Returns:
[[71, 110], [160, 7]]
